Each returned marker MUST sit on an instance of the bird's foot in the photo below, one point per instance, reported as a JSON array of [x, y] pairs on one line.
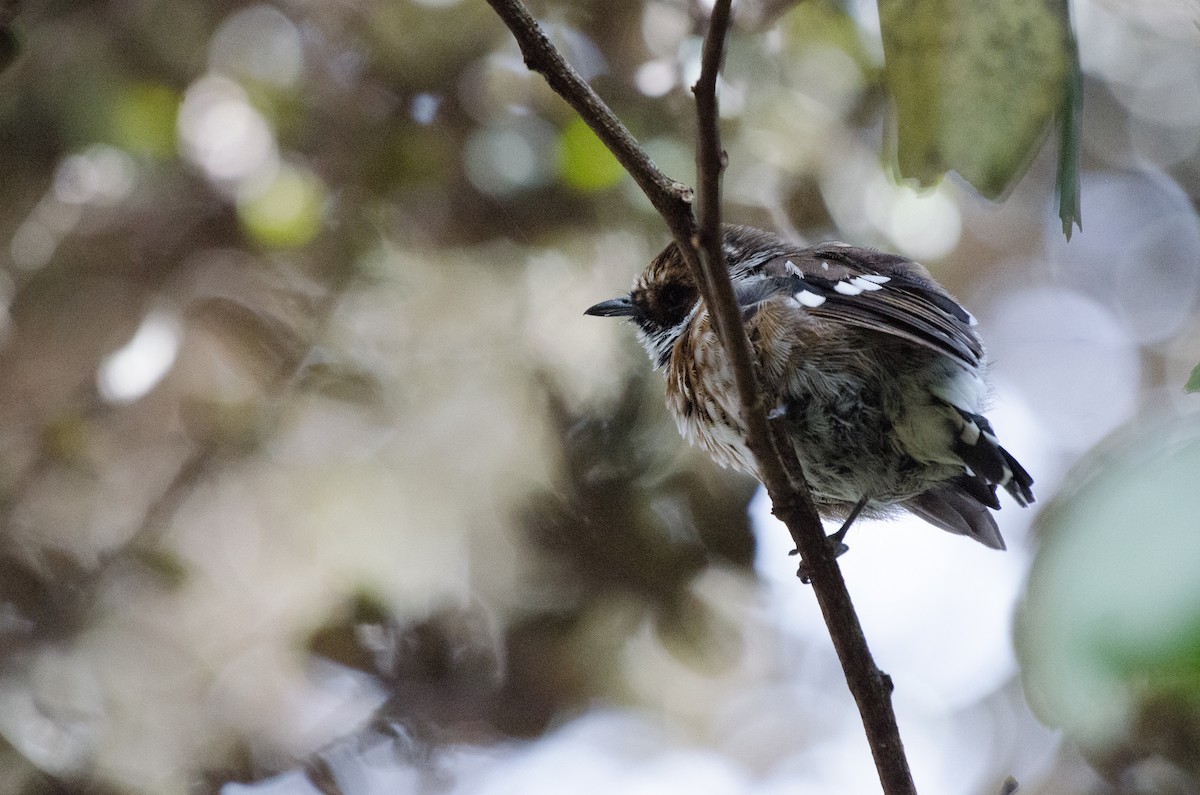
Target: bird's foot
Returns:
[[836, 548], [832, 542]]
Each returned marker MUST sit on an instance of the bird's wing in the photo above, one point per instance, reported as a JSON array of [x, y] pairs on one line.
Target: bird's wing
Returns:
[[872, 290]]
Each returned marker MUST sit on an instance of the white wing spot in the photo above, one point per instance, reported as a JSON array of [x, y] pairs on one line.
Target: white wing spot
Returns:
[[824, 266], [969, 433], [846, 288], [876, 278], [864, 284], [810, 299], [971, 321]]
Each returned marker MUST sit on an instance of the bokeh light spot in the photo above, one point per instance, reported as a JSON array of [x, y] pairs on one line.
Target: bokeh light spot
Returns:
[[137, 367], [102, 174], [655, 78], [223, 133], [584, 162], [259, 43], [287, 212], [425, 108], [502, 160], [144, 119], [923, 225]]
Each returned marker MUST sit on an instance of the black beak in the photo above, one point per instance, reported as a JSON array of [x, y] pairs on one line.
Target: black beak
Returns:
[[617, 307]]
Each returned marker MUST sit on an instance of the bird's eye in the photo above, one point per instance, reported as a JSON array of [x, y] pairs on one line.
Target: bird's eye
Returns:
[[676, 297], [670, 303]]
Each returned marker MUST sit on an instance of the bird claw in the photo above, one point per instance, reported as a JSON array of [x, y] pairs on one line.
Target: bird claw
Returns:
[[836, 549]]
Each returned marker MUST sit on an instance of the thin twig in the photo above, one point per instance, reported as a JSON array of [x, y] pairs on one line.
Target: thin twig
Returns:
[[670, 198], [700, 244], [789, 495]]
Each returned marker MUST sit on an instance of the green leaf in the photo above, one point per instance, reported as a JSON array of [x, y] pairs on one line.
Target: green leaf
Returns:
[[1193, 382], [1070, 118], [975, 85], [1110, 624], [585, 163]]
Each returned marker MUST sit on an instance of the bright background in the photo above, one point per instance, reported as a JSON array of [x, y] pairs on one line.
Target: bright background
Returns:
[[314, 477]]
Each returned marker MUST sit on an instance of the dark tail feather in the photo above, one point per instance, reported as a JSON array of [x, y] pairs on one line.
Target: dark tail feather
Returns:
[[1020, 485], [955, 509], [978, 448]]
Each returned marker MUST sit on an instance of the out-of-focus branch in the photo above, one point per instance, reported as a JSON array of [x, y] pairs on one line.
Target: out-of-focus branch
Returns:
[[700, 244]]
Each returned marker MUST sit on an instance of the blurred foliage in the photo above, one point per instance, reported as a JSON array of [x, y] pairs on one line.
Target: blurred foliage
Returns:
[[975, 85], [1193, 382], [314, 476], [586, 163], [1110, 627]]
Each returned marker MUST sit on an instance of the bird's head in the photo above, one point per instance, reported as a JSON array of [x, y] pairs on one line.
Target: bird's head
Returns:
[[662, 302], [664, 297]]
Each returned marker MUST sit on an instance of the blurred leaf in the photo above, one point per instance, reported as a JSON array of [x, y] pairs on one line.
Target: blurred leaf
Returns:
[[270, 346], [1193, 382], [1111, 618], [341, 381], [810, 23], [166, 566], [287, 213], [143, 119], [975, 84], [584, 162], [238, 425], [1069, 142]]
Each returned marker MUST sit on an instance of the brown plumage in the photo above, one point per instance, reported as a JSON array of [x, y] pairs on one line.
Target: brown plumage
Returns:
[[876, 373]]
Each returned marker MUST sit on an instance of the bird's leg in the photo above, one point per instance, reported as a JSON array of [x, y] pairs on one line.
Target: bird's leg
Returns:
[[837, 538], [834, 541]]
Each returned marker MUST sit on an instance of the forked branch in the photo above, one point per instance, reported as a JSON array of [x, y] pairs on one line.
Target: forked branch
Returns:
[[700, 243]]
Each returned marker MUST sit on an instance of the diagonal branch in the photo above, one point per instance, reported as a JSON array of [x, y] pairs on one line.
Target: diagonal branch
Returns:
[[700, 244], [672, 200], [790, 497]]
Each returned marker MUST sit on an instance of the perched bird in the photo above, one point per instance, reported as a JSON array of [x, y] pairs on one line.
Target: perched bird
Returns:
[[876, 374]]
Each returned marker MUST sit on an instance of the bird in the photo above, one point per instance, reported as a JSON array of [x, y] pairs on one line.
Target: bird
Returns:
[[874, 373]]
